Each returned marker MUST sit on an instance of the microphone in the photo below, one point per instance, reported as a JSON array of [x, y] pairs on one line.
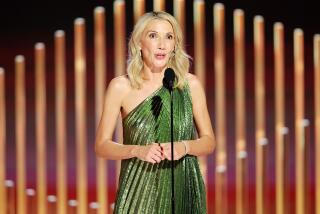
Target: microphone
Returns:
[[168, 79]]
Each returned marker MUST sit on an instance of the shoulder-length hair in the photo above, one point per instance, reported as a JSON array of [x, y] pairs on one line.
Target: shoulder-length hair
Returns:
[[179, 60]]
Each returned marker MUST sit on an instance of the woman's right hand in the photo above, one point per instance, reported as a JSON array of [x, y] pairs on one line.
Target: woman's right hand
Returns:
[[151, 153]]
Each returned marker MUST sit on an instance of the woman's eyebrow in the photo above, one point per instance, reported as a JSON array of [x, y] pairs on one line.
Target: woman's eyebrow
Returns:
[[152, 31]]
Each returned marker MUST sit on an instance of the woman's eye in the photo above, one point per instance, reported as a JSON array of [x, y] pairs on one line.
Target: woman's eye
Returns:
[[170, 37], [152, 35]]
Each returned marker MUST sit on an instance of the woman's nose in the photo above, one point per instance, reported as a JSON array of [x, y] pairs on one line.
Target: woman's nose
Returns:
[[161, 43]]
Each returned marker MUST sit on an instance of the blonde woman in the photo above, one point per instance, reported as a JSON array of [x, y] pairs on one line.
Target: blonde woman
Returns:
[[156, 43]]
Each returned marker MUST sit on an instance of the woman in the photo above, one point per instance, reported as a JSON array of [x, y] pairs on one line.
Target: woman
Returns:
[[145, 179]]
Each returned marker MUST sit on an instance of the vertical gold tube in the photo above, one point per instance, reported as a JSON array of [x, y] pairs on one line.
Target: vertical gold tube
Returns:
[[239, 53], [138, 9], [120, 34], [31, 201], [179, 11], [51, 204], [219, 68], [259, 67], [20, 107], [199, 40], [80, 107], [278, 48], [10, 195], [3, 197], [40, 104], [120, 57], [316, 61], [199, 58], [299, 115], [60, 90], [159, 5], [100, 84]]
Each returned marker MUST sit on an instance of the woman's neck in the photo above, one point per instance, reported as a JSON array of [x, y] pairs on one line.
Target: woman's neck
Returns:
[[152, 75]]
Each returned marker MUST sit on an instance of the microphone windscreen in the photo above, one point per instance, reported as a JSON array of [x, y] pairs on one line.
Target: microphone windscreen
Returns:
[[169, 75], [168, 79]]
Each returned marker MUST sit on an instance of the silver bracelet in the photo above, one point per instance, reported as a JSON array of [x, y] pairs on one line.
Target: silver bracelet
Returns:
[[186, 148]]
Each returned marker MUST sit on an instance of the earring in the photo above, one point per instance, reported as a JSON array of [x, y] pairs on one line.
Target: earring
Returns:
[[173, 53]]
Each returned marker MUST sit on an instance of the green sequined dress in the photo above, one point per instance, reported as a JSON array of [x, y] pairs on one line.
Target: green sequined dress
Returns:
[[146, 187]]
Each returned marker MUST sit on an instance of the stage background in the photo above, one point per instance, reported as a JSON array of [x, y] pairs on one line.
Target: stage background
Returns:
[[23, 23]]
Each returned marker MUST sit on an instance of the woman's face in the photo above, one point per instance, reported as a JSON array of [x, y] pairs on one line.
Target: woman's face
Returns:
[[157, 43]]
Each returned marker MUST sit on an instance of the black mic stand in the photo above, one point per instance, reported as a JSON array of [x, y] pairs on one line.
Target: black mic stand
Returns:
[[172, 151], [168, 81]]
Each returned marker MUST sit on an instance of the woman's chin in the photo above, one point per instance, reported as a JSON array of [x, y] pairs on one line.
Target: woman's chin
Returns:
[[157, 66], [160, 65]]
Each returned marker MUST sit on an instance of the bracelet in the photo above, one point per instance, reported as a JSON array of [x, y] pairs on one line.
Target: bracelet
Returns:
[[186, 147]]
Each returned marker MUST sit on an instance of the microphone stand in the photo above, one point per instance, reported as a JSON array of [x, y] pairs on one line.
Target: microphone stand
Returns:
[[172, 151], [168, 81]]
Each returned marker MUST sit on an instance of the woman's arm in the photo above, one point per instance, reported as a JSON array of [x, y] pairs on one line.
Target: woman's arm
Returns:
[[205, 144], [104, 146]]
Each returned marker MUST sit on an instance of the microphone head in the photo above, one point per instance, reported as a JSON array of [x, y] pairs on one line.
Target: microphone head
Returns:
[[168, 79], [169, 74]]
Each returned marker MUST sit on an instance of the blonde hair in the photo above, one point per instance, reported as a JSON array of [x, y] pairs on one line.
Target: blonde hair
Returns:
[[179, 61]]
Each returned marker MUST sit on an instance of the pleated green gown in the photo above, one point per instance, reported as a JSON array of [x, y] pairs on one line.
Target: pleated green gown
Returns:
[[146, 187]]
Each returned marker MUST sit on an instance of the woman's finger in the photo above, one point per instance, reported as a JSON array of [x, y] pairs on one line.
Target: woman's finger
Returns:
[[157, 147], [156, 158]]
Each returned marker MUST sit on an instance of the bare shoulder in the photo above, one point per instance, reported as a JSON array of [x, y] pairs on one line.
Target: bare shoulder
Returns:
[[120, 84], [194, 83], [119, 87]]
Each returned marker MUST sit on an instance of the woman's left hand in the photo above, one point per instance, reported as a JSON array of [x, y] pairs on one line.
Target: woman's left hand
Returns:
[[179, 150]]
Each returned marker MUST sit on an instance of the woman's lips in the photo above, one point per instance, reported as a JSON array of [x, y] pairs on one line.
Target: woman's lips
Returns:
[[160, 56]]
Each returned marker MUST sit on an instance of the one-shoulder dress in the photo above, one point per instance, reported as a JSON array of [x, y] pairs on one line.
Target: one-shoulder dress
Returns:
[[145, 187]]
